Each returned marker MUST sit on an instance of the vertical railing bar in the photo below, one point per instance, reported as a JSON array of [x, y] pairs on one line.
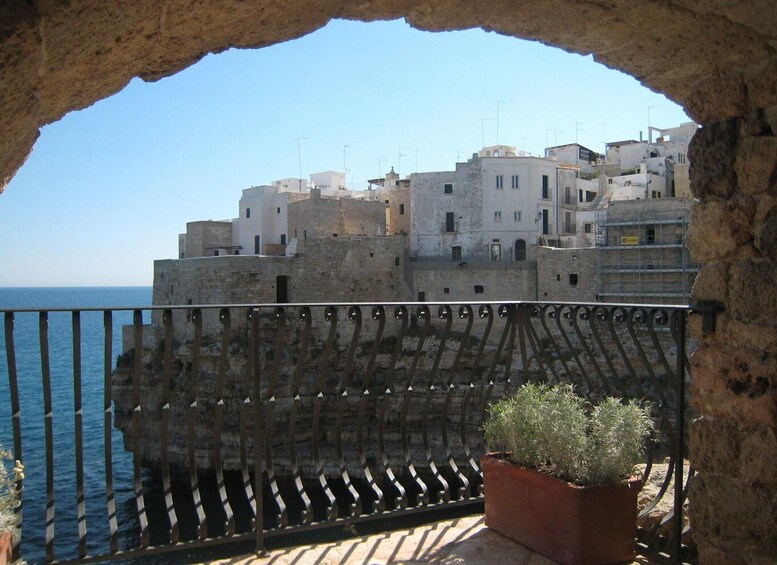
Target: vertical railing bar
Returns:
[[257, 438], [379, 314], [296, 404], [633, 315], [424, 501], [43, 323], [443, 495], [604, 317], [140, 502], [400, 501], [464, 487], [584, 313], [330, 315], [355, 315], [572, 314], [533, 339], [246, 415], [164, 405], [79, 436], [226, 323], [108, 427], [13, 388], [280, 319], [466, 311], [612, 318], [679, 319], [512, 320], [191, 419]]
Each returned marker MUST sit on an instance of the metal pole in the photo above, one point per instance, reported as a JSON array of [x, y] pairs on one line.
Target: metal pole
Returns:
[[680, 443]]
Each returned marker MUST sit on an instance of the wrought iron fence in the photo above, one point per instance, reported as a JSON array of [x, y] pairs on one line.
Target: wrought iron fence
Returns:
[[230, 423]]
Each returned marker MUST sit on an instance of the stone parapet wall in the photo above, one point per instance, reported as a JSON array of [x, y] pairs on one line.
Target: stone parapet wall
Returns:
[[734, 442]]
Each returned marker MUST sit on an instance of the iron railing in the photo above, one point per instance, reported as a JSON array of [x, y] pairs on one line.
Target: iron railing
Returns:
[[347, 413]]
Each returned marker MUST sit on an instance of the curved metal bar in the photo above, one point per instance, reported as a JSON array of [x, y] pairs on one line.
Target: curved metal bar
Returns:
[[355, 315], [512, 319], [164, 407], [462, 491], [246, 418], [379, 314], [602, 315], [584, 313], [330, 315], [443, 495], [296, 405], [497, 356], [79, 435], [400, 501], [191, 421], [13, 389], [466, 312], [48, 423], [280, 330], [108, 428], [423, 312], [257, 435], [140, 502], [486, 385], [569, 312], [620, 315], [226, 324], [544, 312]]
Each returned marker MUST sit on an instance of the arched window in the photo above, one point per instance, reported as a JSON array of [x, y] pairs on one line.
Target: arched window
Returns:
[[520, 250]]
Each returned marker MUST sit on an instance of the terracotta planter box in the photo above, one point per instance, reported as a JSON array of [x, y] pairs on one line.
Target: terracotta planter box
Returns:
[[568, 523], [6, 548]]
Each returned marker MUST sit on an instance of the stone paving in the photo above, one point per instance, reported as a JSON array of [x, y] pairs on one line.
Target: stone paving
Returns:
[[464, 540]]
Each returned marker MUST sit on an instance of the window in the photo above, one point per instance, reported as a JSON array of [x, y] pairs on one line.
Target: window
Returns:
[[545, 223], [216, 253], [496, 252], [449, 222], [401, 209], [500, 181], [580, 195], [305, 234], [514, 181], [237, 252], [421, 296], [446, 290], [517, 216], [567, 222], [396, 261], [587, 227], [589, 196], [498, 216], [520, 250], [279, 209], [447, 188], [478, 289], [567, 196], [573, 279], [456, 253], [545, 188], [248, 212], [283, 239]]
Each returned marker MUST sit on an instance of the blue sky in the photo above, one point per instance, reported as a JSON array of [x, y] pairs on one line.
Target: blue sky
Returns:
[[107, 189]]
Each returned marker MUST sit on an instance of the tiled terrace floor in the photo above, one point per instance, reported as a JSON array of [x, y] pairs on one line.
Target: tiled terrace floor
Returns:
[[464, 540]]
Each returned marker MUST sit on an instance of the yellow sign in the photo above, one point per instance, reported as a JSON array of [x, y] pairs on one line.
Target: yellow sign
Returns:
[[629, 240]]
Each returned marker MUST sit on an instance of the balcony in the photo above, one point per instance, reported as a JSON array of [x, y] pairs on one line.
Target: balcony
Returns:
[[241, 423]]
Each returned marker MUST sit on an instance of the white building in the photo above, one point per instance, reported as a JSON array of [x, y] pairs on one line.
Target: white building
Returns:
[[493, 207]]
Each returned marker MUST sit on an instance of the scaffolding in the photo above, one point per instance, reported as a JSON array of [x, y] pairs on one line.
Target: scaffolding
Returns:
[[643, 257]]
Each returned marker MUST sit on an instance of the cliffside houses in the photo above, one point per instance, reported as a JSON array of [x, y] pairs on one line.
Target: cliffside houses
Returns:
[[603, 227]]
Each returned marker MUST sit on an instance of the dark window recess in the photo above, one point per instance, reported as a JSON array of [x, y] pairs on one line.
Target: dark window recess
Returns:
[[334, 235], [573, 279], [282, 289], [456, 253], [421, 297], [257, 245], [401, 209], [237, 252], [279, 210], [216, 253], [545, 223], [520, 250], [545, 189], [396, 261], [248, 212], [305, 234], [449, 222], [283, 239], [478, 289], [587, 228], [446, 290], [447, 188], [558, 277]]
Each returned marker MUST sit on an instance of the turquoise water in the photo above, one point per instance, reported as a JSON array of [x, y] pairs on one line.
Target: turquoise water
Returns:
[[28, 363]]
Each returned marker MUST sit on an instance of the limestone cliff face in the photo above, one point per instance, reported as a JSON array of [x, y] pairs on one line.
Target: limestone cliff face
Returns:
[[317, 384]]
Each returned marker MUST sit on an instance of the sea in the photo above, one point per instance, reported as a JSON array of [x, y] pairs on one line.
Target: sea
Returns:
[[26, 337]]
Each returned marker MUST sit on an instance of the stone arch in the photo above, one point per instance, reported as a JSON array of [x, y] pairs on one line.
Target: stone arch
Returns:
[[717, 59]]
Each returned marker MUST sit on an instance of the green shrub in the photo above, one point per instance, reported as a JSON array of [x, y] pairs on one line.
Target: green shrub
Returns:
[[550, 429], [9, 496]]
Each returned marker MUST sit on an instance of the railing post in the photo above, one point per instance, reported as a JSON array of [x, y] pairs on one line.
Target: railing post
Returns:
[[680, 443]]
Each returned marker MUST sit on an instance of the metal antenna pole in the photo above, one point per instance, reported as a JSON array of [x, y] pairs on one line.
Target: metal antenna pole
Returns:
[[345, 169], [399, 160], [578, 129], [299, 156]]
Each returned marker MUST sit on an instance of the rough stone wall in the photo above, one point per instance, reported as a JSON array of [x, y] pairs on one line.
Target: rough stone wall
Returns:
[[399, 212], [511, 283], [733, 445], [554, 267], [202, 237], [323, 217]]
